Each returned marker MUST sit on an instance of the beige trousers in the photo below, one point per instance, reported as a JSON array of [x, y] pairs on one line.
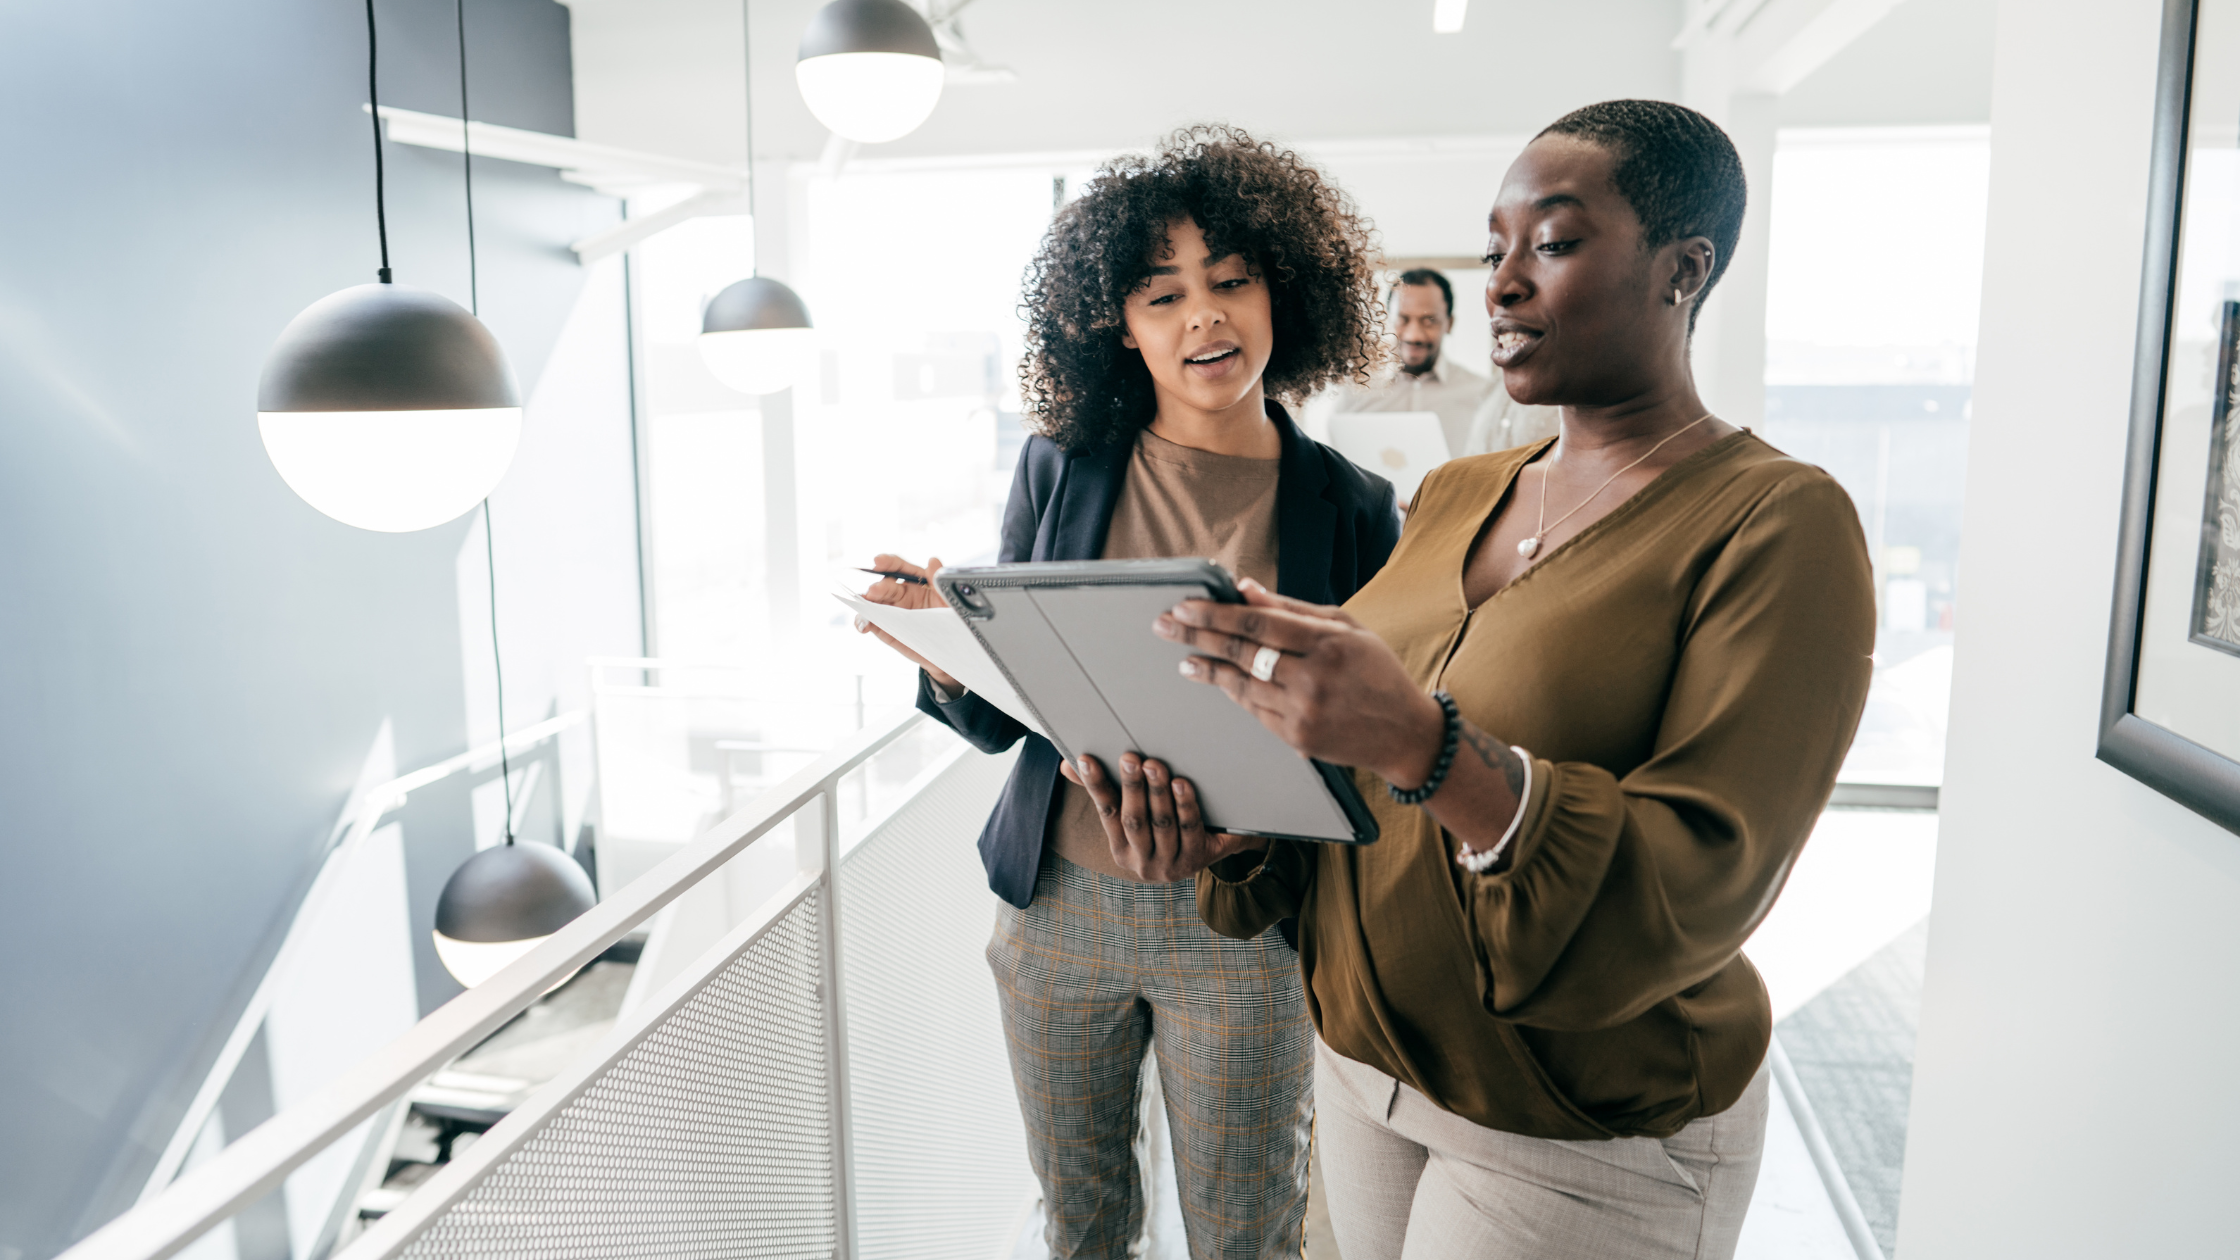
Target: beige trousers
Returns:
[[1409, 1180]]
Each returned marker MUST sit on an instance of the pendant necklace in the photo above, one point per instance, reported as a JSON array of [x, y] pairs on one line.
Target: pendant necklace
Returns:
[[1530, 547]]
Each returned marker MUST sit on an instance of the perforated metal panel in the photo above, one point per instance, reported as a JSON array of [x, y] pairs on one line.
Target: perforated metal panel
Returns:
[[710, 1138], [940, 1154]]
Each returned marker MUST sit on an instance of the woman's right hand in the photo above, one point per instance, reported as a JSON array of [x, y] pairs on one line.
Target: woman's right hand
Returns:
[[907, 595]]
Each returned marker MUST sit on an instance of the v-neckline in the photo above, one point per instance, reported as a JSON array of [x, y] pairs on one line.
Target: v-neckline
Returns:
[[1625, 507]]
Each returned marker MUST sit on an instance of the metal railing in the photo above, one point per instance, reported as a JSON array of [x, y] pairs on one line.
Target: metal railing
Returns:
[[769, 991], [363, 817]]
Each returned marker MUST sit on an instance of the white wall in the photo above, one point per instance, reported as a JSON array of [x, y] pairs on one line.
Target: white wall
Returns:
[[2073, 1092]]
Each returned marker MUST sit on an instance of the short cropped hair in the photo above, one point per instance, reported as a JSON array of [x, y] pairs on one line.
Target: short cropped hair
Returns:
[[1083, 389], [1425, 275], [1675, 167]]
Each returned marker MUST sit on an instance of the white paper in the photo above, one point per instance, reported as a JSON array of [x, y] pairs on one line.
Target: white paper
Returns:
[[941, 636]]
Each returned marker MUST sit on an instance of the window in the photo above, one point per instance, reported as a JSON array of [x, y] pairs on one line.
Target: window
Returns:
[[1876, 269]]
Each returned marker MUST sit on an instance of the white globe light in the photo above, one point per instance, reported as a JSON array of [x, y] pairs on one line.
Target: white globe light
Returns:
[[472, 962], [503, 902], [388, 408], [392, 471], [870, 97], [758, 361], [756, 337]]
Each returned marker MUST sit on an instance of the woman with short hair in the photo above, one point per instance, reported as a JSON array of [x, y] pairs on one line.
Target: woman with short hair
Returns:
[[1597, 698], [1171, 305]]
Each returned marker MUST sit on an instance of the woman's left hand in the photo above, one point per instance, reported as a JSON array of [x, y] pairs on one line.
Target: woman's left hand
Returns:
[[1335, 692], [1151, 819]]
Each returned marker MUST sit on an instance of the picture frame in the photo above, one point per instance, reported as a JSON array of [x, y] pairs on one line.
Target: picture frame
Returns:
[[2174, 633]]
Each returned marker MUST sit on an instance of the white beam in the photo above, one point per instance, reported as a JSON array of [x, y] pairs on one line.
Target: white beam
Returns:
[[1702, 16], [1814, 44], [623, 235], [615, 171]]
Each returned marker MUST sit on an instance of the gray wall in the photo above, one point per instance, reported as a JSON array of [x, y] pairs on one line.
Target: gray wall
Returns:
[[192, 661]]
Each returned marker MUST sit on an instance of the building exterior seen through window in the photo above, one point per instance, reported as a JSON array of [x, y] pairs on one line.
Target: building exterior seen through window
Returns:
[[1871, 379], [904, 421]]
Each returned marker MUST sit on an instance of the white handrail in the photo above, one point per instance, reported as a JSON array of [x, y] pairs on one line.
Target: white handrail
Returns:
[[251, 1167], [396, 1230], [353, 829]]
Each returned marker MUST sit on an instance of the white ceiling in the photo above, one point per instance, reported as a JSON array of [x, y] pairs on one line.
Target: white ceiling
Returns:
[[1099, 75], [1095, 75]]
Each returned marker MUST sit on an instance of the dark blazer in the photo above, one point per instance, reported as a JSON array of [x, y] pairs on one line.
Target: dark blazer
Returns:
[[1335, 525]]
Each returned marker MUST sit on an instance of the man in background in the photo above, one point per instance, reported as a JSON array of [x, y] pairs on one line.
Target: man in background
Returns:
[[1475, 414], [1422, 309]]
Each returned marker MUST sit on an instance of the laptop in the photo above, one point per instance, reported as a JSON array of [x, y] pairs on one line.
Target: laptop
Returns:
[[1399, 446]]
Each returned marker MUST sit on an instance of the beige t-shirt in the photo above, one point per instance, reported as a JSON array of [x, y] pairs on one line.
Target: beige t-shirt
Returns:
[[1175, 501]]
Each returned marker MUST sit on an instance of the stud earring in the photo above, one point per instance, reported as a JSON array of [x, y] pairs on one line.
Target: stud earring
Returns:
[[1676, 295]]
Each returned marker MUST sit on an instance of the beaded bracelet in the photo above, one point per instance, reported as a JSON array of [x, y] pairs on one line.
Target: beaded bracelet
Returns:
[[1451, 741]]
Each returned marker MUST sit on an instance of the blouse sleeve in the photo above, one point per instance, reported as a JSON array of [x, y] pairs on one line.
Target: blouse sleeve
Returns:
[[1240, 897], [1625, 892]]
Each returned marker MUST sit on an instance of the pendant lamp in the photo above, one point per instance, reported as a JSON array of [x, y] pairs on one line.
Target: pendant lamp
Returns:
[[503, 901], [387, 407], [869, 69], [755, 336]]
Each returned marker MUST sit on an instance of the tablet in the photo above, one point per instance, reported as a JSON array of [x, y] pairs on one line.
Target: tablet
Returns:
[[1399, 446], [1074, 639]]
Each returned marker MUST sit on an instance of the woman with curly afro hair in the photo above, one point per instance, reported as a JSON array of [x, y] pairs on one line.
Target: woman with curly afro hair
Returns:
[[1172, 310]]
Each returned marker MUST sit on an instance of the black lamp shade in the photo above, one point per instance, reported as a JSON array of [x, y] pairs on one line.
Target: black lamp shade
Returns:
[[513, 892], [756, 304], [385, 347], [861, 26]]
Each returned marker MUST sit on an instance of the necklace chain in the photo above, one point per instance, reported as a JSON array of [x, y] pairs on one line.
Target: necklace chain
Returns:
[[1531, 546]]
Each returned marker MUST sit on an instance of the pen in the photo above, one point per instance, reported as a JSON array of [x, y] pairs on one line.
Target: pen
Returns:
[[912, 578]]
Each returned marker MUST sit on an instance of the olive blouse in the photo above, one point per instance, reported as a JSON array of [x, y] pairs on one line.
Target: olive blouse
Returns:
[[1686, 674]]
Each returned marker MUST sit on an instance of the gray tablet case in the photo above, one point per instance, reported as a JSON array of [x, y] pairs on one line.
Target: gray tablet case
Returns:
[[1074, 638]]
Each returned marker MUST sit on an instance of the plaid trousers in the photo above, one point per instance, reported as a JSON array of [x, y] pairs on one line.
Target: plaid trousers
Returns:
[[1091, 973]]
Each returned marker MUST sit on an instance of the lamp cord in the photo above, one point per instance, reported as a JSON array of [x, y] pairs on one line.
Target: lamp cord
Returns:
[[746, 42], [489, 539], [373, 101], [497, 667], [466, 158]]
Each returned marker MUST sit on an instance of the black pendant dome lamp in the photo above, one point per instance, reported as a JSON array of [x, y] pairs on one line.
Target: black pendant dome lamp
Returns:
[[388, 407], [504, 901], [869, 69], [755, 336]]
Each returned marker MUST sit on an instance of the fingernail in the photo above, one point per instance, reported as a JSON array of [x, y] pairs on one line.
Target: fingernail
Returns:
[[1189, 667], [1083, 766], [1185, 614], [1163, 626], [1251, 585], [1129, 769]]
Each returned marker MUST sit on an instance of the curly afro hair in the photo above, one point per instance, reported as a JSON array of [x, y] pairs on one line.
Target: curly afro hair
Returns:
[[1675, 167], [1083, 389]]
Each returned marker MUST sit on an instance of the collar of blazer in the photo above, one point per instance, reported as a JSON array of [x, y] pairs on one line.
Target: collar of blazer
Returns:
[[1088, 488]]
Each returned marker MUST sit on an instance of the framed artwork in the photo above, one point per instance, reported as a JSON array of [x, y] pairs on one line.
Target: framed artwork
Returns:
[[2170, 702]]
